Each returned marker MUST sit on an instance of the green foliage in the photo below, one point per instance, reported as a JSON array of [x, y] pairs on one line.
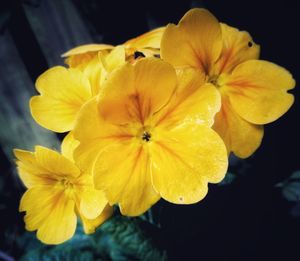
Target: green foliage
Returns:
[[229, 178], [134, 237], [291, 187], [119, 239]]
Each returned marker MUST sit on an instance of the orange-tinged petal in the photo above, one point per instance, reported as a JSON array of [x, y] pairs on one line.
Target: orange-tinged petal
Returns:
[[80, 61], [155, 83], [184, 159], [63, 92], [55, 163], [60, 224], [68, 145], [238, 47], [122, 170], [196, 41], [258, 91], [114, 98], [80, 56], [87, 48], [150, 39], [90, 225], [135, 92], [49, 212], [38, 210], [193, 101], [92, 202], [240, 136]]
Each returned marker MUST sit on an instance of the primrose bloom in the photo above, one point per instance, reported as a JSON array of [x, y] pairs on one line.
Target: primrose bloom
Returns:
[[63, 91], [146, 45], [57, 191], [254, 92], [148, 135]]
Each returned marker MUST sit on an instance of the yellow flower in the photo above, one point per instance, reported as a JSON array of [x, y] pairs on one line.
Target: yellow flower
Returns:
[[63, 91], [254, 92], [57, 190], [147, 44], [147, 135], [82, 54]]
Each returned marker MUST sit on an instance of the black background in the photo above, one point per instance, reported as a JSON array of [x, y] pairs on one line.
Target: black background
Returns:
[[248, 220]]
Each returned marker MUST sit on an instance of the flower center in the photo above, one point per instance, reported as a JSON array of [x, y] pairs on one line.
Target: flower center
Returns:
[[214, 80], [66, 183], [146, 136]]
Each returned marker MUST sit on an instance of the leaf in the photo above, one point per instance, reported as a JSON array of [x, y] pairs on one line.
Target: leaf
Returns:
[[291, 191], [229, 178], [291, 187], [296, 175], [135, 237]]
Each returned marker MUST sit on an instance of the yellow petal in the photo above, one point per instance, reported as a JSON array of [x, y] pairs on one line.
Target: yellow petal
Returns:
[[240, 136], [150, 39], [50, 212], [30, 172], [258, 91], [114, 59], [90, 225], [88, 121], [114, 97], [193, 101], [238, 47], [61, 223], [92, 202], [68, 145], [55, 163], [184, 159], [95, 73], [196, 41], [122, 171], [63, 92], [135, 92], [87, 48], [94, 134], [37, 209]]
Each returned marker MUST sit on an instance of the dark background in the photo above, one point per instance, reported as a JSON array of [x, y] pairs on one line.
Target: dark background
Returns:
[[249, 219]]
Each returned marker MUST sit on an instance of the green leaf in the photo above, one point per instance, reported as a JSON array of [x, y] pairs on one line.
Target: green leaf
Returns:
[[291, 187], [296, 175], [291, 191], [135, 238], [229, 178]]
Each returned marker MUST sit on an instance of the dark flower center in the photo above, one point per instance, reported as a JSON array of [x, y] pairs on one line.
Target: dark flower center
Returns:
[[214, 80], [146, 136]]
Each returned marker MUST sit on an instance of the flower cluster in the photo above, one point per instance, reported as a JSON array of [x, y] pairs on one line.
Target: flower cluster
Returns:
[[155, 117]]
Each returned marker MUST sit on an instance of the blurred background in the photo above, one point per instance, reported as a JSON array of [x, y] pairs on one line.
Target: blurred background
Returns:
[[253, 215]]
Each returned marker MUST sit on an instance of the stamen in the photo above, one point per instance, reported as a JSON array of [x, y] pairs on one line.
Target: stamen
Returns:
[[146, 136], [66, 183]]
